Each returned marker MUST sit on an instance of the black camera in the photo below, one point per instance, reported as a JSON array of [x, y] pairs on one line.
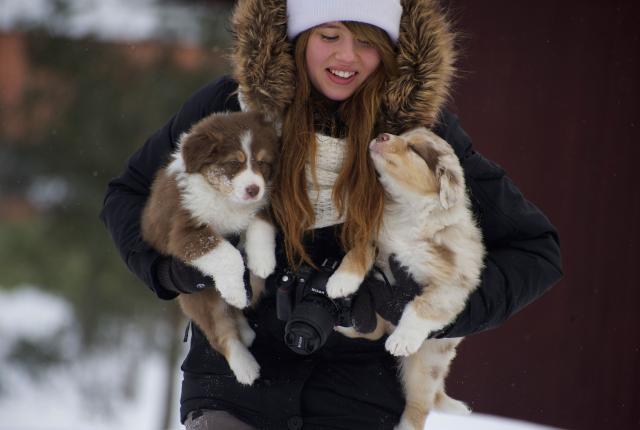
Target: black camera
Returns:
[[302, 301]]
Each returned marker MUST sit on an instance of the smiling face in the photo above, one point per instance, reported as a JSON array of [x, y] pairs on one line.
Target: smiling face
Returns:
[[338, 62]]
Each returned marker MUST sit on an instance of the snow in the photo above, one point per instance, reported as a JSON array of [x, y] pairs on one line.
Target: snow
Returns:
[[58, 404], [52, 313], [438, 421], [82, 393], [104, 19], [59, 399], [45, 192]]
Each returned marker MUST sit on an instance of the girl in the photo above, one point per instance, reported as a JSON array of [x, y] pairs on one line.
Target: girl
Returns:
[[333, 74]]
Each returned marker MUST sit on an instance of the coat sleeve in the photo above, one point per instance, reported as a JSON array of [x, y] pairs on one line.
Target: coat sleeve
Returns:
[[523, 253], [127, 194]]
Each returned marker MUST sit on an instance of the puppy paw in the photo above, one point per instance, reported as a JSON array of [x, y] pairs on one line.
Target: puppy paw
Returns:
[[343, 284], [261, 263], [247, 335], [260, 248], [232, 291], [446, 404], [243, 365], [226, 266], [402, 343]]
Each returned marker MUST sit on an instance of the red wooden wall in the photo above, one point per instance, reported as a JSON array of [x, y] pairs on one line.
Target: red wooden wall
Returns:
[[550, 90]]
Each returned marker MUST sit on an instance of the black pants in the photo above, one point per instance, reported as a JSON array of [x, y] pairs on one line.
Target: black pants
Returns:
[[214, 420]]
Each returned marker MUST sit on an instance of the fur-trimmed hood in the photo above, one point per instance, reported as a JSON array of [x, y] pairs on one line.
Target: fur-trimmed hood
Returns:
[[263, 62]]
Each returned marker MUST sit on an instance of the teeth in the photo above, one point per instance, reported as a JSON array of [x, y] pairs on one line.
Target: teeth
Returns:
[[342, 74]]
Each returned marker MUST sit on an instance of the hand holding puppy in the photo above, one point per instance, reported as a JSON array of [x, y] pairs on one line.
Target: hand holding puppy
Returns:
[[377, 295], [179, 277]]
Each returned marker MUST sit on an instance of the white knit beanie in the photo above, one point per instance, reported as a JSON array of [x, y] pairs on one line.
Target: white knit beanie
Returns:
[[305, 14]]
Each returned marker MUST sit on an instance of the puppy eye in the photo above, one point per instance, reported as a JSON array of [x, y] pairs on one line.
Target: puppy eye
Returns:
[[233, 163]]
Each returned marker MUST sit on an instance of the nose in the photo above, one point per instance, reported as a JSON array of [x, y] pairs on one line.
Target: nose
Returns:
[[383, 137], [346, 51], [252, 190]]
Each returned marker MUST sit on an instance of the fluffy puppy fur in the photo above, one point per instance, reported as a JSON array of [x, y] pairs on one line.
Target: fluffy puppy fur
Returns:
[[428, 225], [216, 185]]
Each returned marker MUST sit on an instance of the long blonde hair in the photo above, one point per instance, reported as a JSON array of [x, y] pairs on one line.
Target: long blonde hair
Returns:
[[357, 192]]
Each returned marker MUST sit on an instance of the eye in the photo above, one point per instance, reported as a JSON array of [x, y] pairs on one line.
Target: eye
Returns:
[[327, 37], [233, 163], [365, 43], [264, 165]]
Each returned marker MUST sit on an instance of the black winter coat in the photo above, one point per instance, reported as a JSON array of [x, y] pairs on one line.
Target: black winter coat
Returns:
[[349, 383]]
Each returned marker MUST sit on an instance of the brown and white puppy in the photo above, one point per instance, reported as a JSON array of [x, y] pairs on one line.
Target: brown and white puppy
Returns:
[[429, 226], [216, 185]]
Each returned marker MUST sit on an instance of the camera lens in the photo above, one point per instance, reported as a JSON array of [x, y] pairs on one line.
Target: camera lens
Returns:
[[310, 324], [302, 338]]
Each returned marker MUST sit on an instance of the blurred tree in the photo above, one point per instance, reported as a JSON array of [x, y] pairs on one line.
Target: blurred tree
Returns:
[[86, 106]]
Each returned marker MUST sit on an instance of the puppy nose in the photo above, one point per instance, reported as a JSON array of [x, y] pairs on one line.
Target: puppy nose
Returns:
[[383, 137], [252, 190]]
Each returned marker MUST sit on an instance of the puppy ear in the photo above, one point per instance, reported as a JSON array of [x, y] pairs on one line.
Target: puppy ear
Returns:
[[449, 186], [197, 149], [442, 161]]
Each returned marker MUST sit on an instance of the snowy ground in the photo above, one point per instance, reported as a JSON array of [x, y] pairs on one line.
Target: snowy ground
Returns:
[[81, 393], [58, 399]]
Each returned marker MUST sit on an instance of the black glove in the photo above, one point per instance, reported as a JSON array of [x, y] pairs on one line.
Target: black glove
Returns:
[[378, 296], [177, 276]]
